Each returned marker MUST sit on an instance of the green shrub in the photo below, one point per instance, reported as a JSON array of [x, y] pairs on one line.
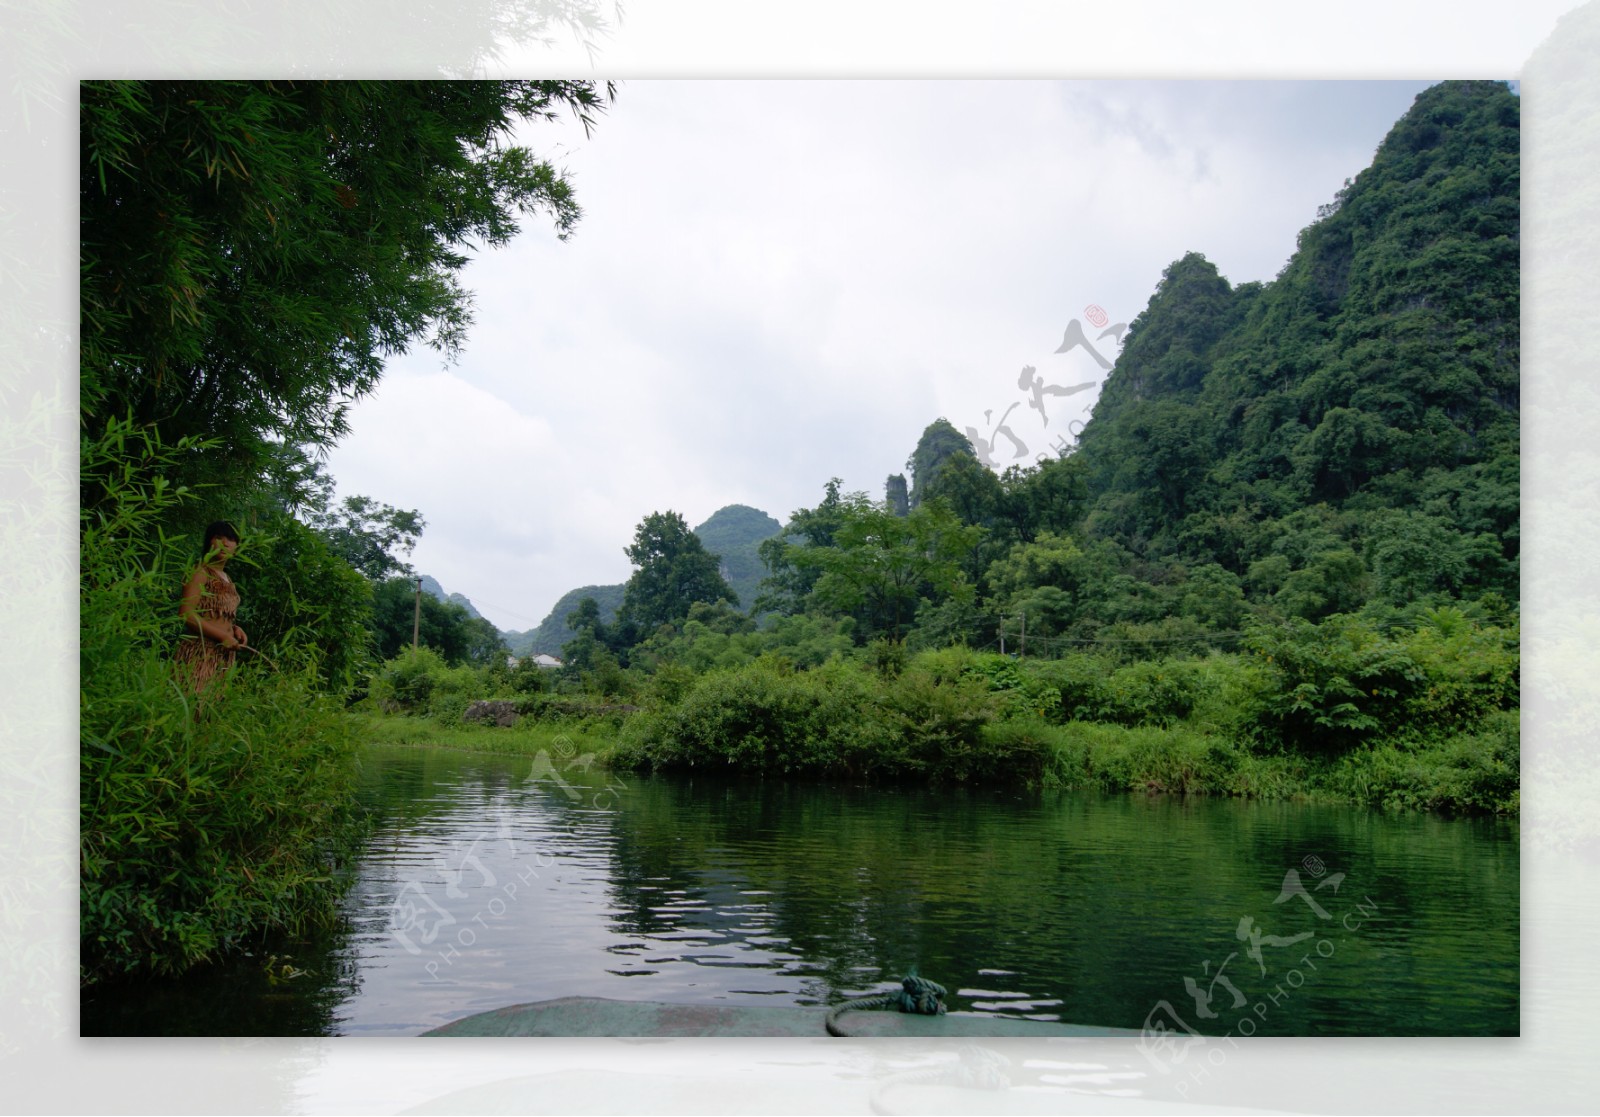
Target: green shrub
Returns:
[[202, 834], [1019, 750], [1342, 683], [1476, 772], [297, 594], [1115, 758], [204, 822], [1468, 671], [1231, 692], [1148, 693], [936, 717], [1090, 687], [759, 718], [841, 719], [887, 657], [1335, 685], [1147, 759], [669, 684], [405, 683], [1078, 679], [454, 689], [528, 678], [1020, 690]]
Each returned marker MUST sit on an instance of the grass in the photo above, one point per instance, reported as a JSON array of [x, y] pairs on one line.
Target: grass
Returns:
[[528, 738]]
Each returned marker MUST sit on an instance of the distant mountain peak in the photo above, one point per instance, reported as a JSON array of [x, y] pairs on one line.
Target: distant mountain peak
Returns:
[[431, 585]]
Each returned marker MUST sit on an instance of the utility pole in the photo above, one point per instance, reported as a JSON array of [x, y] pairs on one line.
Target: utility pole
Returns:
[[1002, 636], [1024, 652], [416, 617]]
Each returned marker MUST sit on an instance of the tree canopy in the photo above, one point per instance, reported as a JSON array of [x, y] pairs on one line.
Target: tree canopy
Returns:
[[673, 570], [253, 251], [852, 557]]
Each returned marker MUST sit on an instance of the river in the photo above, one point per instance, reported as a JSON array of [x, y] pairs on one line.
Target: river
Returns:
[[490, 881]]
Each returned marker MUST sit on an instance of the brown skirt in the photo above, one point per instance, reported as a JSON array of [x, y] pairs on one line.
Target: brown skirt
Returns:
[[200, 661]]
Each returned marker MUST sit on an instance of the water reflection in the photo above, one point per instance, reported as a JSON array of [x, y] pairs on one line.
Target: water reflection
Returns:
[[488, 883]]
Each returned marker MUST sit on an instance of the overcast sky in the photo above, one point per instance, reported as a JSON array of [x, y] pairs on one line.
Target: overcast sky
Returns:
[[779, 282]]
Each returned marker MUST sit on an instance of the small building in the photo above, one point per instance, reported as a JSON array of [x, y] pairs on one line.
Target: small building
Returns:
[[544, 660]]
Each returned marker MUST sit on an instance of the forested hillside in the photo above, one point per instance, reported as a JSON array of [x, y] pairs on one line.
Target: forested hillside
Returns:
[[1344, 437], [1283, 558], [1340, 441], [553, 632], [733, 534], [430, 584]]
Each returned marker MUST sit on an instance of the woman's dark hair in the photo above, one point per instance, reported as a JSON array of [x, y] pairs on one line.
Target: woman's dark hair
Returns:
[[217, 529]]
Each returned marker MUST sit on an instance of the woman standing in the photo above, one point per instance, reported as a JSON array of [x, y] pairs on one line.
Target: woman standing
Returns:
[[210, 603]]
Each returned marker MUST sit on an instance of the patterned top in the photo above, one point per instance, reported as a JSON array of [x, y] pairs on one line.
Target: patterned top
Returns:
[[203, 658]]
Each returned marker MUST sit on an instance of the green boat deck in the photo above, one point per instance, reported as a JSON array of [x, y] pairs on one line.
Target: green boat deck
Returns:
[[597, 1016]]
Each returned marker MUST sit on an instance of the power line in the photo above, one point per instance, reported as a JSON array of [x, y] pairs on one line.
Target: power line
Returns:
[[502, 609], [1001, 618]]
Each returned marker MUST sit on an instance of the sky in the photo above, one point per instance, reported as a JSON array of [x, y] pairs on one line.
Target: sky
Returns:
[[777, 282]]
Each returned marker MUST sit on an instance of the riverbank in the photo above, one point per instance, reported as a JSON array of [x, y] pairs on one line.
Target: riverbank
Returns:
[[1474, 773], [528, 737], [1423, 717]]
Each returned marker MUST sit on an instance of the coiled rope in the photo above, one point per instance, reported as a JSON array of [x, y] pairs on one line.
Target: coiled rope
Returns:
[[917, 994]]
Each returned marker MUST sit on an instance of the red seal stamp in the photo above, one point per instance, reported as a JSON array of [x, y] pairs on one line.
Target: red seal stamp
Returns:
[[1097, 316]]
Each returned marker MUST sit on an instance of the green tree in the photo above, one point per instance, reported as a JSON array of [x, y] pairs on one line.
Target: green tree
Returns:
[[881, 565], [590, 637], [971, 490], [252, 252], [673, 570], [485, 647], [589, 659], [1044, 580], [1050, 560], [1345, 451], [788, 584], [1333, 582], [1049, 496], [369, 535], [298, 594], [444, 626], [1213, 596], [1418, 557], [1377, 372]]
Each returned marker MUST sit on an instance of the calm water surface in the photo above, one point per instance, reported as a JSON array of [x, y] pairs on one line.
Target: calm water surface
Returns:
[[491, 881]]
